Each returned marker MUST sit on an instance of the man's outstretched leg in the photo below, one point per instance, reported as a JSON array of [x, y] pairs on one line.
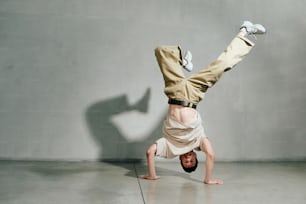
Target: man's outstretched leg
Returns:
[[232, 55]]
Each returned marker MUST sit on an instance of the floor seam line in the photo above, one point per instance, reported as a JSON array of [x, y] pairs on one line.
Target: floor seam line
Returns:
[[139, 185]]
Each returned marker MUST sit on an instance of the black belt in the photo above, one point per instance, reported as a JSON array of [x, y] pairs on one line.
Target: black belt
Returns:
[[182, 103]]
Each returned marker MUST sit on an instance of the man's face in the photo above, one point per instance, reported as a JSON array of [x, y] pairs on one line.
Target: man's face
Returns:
[[188, 159]]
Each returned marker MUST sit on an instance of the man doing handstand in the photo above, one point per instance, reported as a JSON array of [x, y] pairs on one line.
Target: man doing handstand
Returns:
[[182, 129]]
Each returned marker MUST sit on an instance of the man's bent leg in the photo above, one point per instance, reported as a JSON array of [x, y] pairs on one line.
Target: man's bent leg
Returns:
[[169, 59]]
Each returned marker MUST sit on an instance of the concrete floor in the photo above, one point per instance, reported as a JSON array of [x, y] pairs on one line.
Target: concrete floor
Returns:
[[98, 182]]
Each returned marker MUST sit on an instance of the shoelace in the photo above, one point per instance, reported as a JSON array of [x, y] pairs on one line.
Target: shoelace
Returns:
[[249, 33]]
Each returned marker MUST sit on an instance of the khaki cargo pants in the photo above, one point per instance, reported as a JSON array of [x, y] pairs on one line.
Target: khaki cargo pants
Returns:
[[192, 89]]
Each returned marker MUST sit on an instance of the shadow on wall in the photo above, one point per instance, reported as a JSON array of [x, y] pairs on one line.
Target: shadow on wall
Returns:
[[114, 145]]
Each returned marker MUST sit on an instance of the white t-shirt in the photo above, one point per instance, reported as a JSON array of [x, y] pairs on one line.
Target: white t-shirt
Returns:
[[180, 138]]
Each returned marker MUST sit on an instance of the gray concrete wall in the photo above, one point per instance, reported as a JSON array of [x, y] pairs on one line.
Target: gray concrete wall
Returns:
[[79, 80]]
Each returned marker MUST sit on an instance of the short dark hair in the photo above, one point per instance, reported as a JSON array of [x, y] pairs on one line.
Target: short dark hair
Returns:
[[190, 169]]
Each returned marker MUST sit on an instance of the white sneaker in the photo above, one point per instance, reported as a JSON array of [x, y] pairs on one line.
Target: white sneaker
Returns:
[[187, 64], [253, 29]]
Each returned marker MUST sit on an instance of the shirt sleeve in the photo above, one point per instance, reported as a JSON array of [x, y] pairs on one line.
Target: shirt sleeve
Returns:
[[161, 148], [201, 147]]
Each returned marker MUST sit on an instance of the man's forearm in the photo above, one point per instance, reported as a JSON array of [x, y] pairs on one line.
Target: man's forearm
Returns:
[[210, 159], [209, 168], [151, 165]]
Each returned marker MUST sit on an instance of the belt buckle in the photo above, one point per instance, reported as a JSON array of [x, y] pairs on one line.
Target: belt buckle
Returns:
[[187, 104]]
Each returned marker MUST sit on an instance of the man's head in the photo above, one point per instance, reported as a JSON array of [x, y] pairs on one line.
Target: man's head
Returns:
[[189, 161]]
